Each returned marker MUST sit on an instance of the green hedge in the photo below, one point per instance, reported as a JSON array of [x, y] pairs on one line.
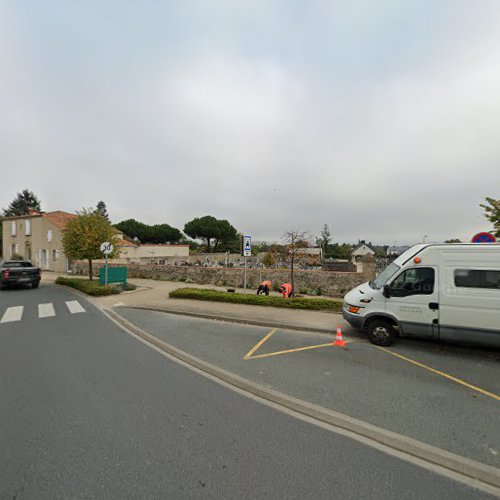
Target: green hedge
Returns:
[[89, 287], [256, 300]]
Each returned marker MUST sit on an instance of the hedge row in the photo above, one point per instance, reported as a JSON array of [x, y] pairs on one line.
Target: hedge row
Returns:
[[89, 287], [256, 300]]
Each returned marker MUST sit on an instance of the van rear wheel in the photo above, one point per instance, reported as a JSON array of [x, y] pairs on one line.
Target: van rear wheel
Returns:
[[381, 332]]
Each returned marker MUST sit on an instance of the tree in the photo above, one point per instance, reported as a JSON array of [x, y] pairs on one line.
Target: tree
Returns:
[[263, 246], [133, 228], [209, 228], [294, 240], [83, 236], [101, 209], [163, 233], [273, 256], [492, 213], [343, 251], [159, 233], [22, 203], [325, 238], [227, 237]]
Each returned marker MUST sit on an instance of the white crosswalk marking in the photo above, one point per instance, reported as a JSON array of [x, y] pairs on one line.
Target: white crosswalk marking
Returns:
[[12, 314], [46, 310], [74, 306]]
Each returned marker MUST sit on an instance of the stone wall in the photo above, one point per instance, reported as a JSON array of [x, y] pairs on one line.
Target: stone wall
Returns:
[[329, 283]]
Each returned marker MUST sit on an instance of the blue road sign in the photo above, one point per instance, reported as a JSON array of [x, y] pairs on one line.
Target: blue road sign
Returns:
[[247, 246]]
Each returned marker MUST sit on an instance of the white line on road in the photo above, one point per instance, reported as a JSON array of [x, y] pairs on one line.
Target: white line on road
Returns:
[[74, 306], [12, 314], [46, 310]]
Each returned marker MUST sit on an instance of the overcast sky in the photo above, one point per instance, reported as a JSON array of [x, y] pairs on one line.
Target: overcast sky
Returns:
[[379, 118]]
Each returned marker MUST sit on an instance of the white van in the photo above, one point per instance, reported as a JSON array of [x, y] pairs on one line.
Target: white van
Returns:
[[436, 291]]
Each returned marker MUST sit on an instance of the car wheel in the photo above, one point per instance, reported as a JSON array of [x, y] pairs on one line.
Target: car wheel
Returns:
[[34, 285], [381, 332]]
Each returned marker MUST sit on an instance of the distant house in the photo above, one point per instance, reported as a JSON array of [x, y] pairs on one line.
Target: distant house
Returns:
[[37, 237], [396, 251], [361, 250], [133, 252]]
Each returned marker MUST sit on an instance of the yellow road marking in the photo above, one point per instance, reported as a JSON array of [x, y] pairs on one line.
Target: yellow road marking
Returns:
[[442, 374], [258, 344], [288, 351]]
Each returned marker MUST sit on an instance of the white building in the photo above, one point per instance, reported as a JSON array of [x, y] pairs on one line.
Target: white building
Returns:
[[361, 250]]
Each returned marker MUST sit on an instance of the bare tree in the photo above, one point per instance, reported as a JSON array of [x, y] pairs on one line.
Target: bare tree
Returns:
[[294, 240]]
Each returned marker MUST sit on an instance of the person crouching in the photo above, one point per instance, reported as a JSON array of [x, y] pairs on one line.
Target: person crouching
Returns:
[[264, 287], [286, 290]]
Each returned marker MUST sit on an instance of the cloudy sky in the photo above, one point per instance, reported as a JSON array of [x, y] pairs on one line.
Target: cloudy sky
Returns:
[[379, 118]]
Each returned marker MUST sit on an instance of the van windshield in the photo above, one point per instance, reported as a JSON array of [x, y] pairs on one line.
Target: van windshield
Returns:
[[384, 276]]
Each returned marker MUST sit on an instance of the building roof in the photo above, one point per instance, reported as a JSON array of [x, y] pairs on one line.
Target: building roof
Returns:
[[126, 243], [161, 245], [59, 218]]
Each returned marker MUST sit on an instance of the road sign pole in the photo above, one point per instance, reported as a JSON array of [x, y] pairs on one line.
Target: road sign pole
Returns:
[[245, 276], [106, 270], [247, 252]]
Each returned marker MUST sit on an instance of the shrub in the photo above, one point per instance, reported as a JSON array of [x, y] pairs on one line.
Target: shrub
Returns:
[[119, 288], [257, 300], [89, 287]]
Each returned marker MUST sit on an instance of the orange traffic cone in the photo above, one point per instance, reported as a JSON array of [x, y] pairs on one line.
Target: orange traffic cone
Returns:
[[339, 342]]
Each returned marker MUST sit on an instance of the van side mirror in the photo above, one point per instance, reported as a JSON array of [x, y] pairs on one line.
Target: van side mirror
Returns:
[[387, 291]]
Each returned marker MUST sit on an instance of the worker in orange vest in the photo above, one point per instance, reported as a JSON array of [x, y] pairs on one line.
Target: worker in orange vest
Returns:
[[286, 290], [264, 287]]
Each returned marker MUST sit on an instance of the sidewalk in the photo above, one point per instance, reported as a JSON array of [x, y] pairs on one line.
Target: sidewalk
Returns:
[[153, 294]]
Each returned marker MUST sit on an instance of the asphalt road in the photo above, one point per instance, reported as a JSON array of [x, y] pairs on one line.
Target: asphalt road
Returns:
[[87, 411], [359, 380]]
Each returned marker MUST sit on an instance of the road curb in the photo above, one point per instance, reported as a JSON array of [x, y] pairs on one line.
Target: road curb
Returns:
[[466, 467], [229, 319]]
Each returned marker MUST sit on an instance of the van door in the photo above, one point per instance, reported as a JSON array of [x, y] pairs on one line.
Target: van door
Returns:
[[414, 301]]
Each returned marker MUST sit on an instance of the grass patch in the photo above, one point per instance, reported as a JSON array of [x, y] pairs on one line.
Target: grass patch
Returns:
[[257, 300], [89, 287]]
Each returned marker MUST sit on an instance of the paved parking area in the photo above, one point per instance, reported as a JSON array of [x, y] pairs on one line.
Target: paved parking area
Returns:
[[442, 395]]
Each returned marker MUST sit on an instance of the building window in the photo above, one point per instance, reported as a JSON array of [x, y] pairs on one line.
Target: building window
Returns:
[[13, 228], [54, 255], [27, 228], [477, 278], [49, 235], [13, 249]]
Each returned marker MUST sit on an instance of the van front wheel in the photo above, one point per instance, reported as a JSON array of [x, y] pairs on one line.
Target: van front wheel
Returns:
[[381, 332]]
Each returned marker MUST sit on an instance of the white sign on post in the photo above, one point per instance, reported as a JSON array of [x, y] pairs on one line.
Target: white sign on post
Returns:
[[106, 247], [247, 246]]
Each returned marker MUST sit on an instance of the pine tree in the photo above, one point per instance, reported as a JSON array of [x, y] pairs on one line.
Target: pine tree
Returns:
[[102, 210], [22, 203]]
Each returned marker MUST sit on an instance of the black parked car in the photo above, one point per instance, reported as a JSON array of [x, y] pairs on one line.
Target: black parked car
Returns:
[[18, 273]]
